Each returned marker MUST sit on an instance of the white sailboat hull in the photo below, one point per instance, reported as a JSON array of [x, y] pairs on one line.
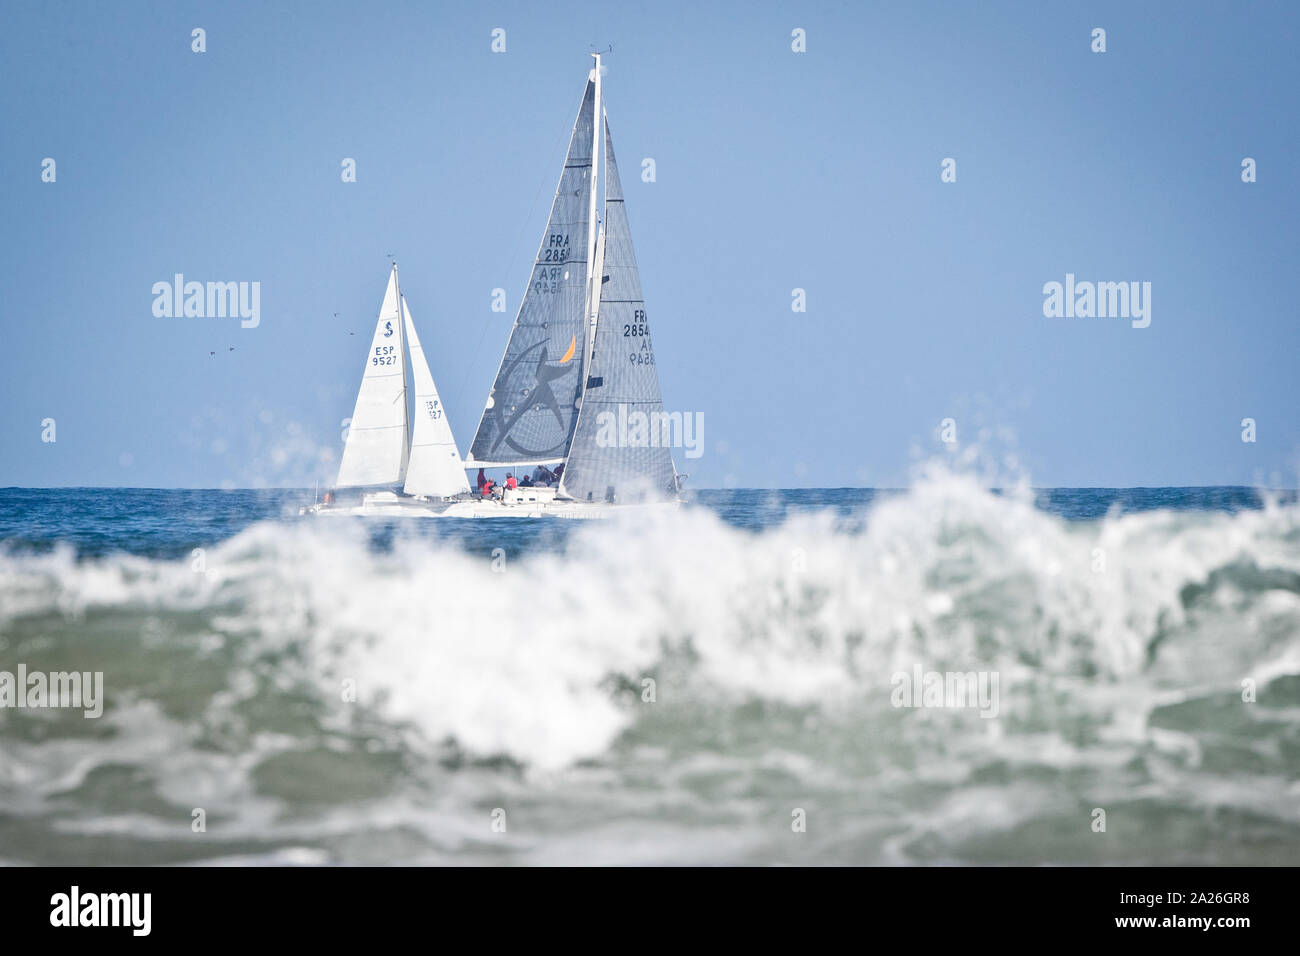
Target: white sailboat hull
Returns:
[[520, 503]]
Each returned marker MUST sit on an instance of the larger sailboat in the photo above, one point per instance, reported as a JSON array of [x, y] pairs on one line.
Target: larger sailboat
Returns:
[[579, 358], [580, 353]]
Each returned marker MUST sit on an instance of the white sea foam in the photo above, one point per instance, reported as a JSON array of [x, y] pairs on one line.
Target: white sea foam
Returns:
[[516, 662], [771, 653]]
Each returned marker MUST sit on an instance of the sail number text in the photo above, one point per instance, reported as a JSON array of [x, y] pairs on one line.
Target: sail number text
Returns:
[[549, 279], [557, 248], [550, 276], [639, 328], [384, 355]]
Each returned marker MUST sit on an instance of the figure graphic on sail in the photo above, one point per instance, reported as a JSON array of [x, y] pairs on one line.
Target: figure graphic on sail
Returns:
[[540, 398]]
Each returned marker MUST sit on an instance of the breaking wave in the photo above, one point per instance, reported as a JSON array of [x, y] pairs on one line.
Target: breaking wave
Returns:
[[671, 688]]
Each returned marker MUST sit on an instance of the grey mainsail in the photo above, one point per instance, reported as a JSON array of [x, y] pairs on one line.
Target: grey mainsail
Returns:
[[532, 407], [620, 450]]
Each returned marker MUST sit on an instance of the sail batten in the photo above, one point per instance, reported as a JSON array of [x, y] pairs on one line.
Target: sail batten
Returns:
[[377, 448], [532, 407]]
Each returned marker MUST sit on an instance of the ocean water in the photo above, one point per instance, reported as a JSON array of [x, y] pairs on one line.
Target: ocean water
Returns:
[[716, 685]]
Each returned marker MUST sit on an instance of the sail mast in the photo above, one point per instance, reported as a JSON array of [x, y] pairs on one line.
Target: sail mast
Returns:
[[593, 274], [406, 394], [595, 254]]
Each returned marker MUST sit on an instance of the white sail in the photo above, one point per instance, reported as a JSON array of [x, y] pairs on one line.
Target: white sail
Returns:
[[435, 467], [378, 436]]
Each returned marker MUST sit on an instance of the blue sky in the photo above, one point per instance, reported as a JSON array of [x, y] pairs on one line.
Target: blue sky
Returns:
[[775, 170]]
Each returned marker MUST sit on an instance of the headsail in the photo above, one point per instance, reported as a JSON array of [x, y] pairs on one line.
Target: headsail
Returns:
[[532, 407], [619, 447], [378, 437], [435, 467]]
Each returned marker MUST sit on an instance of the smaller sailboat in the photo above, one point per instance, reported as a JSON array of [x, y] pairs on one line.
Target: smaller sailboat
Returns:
[[383, 449]]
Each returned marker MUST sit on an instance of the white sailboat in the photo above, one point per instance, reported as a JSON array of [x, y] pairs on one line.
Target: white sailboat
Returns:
[[578, 353], [382, 449]]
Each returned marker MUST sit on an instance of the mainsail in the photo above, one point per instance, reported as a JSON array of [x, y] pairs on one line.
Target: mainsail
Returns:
[[532, 407], [435, 468], [377, 445], [619, 449]]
